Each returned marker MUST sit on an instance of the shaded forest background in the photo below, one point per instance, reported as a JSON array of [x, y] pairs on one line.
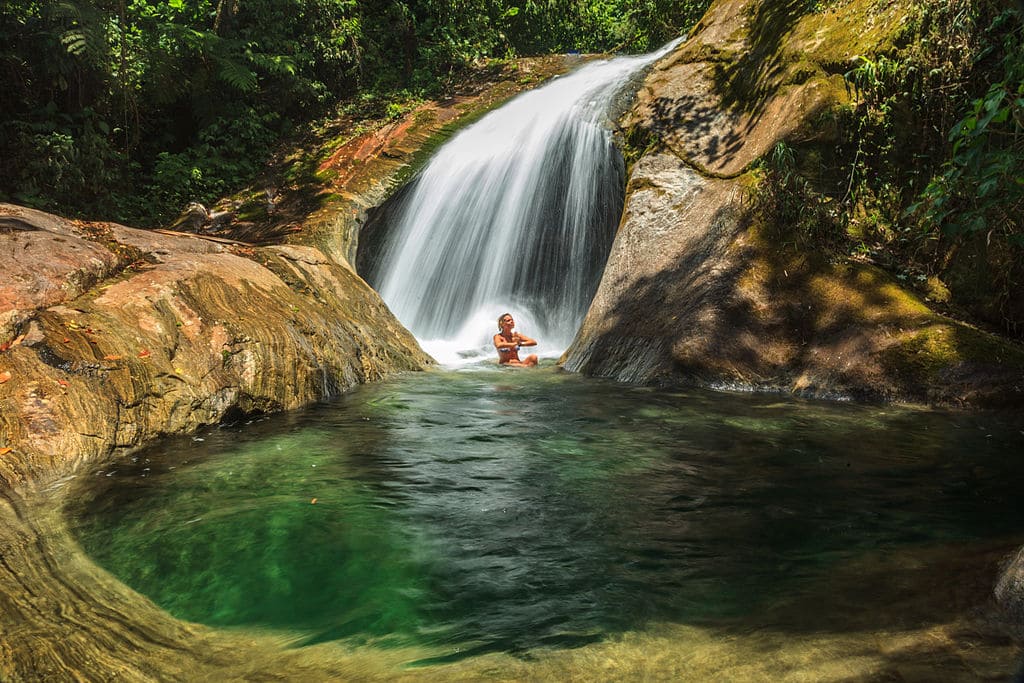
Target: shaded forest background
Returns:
[[128, 109]]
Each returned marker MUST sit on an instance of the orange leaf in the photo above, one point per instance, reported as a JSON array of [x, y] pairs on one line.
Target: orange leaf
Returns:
[[111, 357], [62, 382], [5, 346], [67, 340], [5, 450], [144, 353], [4, 376]]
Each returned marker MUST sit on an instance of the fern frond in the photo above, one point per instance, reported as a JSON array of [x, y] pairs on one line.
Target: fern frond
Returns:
[[237, 75]]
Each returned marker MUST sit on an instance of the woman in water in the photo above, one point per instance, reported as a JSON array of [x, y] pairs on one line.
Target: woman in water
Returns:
[[508, 342]]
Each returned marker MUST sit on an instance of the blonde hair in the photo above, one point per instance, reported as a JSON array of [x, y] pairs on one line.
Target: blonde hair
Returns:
[[500, 317]]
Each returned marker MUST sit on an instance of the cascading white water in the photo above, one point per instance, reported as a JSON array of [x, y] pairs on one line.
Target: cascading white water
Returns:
[[515, 213]]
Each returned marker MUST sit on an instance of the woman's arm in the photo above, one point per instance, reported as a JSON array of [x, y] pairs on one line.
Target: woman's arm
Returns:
[[501, 343], [524, 340]]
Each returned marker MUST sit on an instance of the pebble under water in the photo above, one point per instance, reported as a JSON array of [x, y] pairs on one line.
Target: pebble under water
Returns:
[[503, 510]]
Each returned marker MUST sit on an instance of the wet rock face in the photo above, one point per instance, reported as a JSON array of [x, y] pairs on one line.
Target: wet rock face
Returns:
[[114, 336], [1010, 593], [696, 292], [637, 315]]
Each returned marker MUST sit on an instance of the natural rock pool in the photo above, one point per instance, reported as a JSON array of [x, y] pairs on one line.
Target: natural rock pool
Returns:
[[451, 514]]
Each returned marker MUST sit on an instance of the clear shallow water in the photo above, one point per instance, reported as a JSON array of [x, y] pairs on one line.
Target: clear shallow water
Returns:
[[505, 510]]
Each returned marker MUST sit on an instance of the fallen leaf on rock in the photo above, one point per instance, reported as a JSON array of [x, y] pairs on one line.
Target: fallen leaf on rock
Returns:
[[5, 450], [4, 376], [112, 357]]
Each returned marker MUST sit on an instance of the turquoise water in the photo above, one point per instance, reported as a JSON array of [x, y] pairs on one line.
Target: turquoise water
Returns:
[[506, 510]]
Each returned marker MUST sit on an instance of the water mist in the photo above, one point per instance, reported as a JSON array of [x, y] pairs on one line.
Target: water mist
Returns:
[[515, 213]]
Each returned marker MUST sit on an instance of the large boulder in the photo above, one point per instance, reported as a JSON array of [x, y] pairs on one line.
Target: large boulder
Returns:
[[697, 292], [113, 336]]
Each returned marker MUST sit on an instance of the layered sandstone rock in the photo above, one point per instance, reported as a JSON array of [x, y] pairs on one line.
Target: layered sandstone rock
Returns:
[[113, 337]]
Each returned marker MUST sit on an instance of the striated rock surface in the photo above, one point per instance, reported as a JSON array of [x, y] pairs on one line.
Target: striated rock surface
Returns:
[[697, 292], [1010, 593], [111, 337], [114, 336]]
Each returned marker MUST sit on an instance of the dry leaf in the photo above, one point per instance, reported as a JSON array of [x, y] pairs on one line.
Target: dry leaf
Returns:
[[5, 450], [144, 353], [112, 357], [4, 376], [313, 502], [62, 382]]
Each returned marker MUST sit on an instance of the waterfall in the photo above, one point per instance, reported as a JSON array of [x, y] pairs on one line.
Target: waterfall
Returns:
[[515, 213]]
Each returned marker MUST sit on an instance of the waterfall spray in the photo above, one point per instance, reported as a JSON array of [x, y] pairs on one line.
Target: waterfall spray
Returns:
[[515, 213]]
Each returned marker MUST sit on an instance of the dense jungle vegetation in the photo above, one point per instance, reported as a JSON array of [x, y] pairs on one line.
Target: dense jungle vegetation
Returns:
[[128, 109], [927, 176]]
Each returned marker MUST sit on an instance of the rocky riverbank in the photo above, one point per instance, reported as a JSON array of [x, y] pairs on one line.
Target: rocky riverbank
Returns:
[[700, 290], [112, 337]]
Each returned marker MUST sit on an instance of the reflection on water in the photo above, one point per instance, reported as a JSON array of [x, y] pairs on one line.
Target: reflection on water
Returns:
[[504, 510]]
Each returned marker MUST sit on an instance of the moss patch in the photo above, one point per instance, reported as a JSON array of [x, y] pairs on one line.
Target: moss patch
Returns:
[[931, 351]]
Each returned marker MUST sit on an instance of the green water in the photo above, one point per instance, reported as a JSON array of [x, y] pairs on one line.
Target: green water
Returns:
[[504, 510]]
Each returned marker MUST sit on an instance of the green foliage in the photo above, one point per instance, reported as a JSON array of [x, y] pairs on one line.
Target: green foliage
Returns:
[[980, 188], [791, 206], [925, 173], [130, 109]]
